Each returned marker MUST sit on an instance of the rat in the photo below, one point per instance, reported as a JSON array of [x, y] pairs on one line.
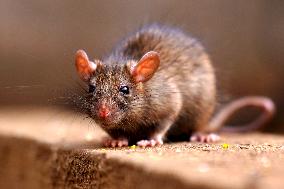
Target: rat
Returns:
[[159, 84]]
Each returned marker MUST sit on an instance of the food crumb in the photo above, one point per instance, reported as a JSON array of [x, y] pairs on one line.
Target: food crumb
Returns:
[[225, 146]]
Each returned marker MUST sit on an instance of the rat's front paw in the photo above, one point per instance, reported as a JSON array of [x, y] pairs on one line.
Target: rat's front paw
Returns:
[[109, 142], [204, 137], [150, 143]]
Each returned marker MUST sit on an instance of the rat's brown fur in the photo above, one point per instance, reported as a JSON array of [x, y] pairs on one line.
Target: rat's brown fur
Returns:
[[181, 95]]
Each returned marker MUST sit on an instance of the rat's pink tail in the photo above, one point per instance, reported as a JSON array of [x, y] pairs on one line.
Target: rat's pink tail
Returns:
[[265, 104]]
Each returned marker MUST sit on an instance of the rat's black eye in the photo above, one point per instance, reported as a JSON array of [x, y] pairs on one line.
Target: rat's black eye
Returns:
[[124, 89], [92, 88]]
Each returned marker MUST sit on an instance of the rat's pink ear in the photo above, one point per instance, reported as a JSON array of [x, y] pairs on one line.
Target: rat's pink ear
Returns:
[[85, 67], [146, 67]]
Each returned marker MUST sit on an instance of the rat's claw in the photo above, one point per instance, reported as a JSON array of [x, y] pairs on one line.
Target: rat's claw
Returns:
[[204, 137], [109, 142], [150, 143]]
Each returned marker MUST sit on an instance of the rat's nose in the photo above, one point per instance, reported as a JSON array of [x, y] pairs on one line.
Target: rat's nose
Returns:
[[104, 112]]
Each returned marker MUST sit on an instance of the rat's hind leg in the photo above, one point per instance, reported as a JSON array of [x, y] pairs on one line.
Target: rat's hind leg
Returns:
[[110, 142]]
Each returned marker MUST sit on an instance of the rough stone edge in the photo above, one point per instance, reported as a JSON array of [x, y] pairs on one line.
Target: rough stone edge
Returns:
[[27, 163]]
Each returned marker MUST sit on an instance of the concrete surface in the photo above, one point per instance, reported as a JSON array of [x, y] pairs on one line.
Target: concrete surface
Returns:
[[52, 148]]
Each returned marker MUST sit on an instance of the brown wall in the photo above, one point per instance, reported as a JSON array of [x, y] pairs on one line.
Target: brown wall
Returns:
[[38, 39]]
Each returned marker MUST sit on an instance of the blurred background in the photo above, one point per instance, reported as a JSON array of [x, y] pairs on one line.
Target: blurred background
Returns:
[[38, 39]]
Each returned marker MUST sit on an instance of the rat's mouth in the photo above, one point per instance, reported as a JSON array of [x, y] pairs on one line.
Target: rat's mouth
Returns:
[[105, 118]]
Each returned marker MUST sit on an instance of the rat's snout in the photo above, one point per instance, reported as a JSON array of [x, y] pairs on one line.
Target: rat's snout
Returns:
[[104, 111]]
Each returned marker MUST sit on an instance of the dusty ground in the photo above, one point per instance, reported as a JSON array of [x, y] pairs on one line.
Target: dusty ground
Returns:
[[51, 148]]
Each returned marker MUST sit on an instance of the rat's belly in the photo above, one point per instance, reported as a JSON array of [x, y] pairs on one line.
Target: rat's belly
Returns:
[[133, 134]]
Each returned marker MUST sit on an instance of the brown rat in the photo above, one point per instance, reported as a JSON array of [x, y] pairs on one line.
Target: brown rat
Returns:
[[158, 83]]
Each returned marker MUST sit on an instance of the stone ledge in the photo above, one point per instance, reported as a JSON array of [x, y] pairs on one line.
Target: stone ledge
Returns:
[[29, 164]]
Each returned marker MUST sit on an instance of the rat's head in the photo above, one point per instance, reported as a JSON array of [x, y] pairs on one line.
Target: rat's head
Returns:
[[116, 89]]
